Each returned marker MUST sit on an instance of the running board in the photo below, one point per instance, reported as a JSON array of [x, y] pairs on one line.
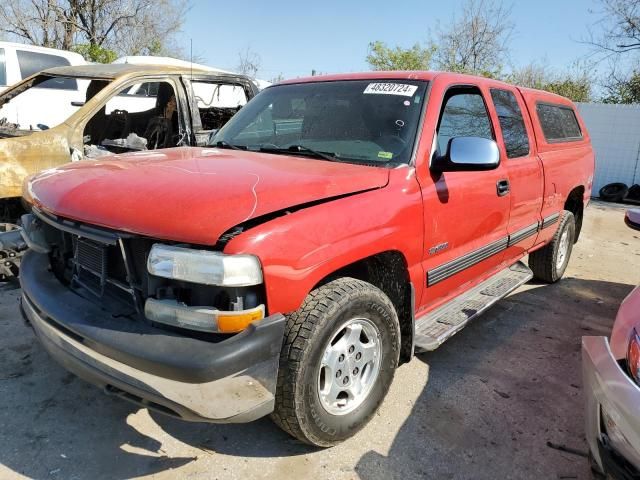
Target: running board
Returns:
[[433, 329]]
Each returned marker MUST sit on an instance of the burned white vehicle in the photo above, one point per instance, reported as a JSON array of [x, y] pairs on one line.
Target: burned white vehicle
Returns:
[[89, 111]]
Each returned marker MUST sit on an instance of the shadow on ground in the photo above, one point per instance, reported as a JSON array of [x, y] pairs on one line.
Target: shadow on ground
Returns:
[[494, 386], [494, 377]]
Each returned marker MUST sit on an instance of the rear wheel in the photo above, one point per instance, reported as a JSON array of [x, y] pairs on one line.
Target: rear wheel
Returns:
[[338, 359], [549, 263]]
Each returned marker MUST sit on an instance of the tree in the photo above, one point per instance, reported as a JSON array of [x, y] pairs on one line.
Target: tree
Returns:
[[623, 90], [576, 89], [618, 28], [477, 42], [616, 34], [381, 57], [532, 75], [99, 29], [249, 63], [574, 83]]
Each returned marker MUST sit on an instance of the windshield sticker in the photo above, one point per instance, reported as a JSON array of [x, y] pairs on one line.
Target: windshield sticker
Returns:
[[385, 155], [391, 89]]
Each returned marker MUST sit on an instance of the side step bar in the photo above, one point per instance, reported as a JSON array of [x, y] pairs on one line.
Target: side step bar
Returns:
[[436, 327]]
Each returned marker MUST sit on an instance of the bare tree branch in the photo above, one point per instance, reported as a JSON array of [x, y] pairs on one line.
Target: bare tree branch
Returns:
[[478, 41], [617, 29], [125, 27], [249, 62]]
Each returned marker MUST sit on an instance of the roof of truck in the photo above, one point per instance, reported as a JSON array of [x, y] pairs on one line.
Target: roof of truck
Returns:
[[428, 76]]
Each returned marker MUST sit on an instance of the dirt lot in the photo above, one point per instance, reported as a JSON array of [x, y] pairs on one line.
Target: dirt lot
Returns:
[[483, 406]]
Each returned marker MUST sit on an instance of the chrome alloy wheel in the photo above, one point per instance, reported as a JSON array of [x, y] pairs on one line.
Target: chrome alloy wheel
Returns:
[[563, 249], [350, 366]]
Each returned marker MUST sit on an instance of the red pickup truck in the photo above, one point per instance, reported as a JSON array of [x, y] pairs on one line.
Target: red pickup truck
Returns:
[[333, 227]]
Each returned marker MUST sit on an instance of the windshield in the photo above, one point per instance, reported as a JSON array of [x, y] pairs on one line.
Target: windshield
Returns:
[[360, 121], [42, 103]]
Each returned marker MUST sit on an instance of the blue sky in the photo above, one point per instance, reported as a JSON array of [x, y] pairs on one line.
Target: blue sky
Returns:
[[294, 37]]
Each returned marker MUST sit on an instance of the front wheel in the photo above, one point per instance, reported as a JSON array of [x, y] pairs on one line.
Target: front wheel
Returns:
[[549, 263], [338, 359]]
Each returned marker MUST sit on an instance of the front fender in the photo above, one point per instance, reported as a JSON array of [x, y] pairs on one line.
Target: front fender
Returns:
[[29, 154], [300, 249]]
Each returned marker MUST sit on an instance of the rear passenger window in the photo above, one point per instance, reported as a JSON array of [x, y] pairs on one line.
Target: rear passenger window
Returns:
[[464, 115], [558, 122], [514, 132], [34, 62], [3, 68]]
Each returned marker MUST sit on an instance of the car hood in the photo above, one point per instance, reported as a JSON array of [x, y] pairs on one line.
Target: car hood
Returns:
[[192, 195]]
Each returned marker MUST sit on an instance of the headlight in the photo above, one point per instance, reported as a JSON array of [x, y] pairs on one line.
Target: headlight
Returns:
[[204, 266], [633, 356]]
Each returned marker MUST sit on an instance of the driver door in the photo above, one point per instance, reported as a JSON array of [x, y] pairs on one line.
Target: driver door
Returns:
[[466, 213]]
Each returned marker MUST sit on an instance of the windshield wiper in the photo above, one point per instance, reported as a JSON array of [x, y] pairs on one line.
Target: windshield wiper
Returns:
[[225, 144], [332, 157]]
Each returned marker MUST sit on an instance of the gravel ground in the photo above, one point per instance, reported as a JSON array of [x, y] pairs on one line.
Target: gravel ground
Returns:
[[485, 405]]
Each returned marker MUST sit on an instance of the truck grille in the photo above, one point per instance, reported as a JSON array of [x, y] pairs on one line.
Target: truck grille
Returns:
[[91, 256], [108, 265]]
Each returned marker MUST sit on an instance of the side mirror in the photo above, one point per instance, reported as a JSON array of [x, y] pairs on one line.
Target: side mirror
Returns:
[[632, 219], [467, 154]]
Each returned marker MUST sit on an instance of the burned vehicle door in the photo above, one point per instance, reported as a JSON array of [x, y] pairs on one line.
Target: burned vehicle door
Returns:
[[214, 100], [144, 114]]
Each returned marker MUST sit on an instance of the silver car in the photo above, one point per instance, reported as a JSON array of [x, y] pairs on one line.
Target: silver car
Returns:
[[611, 372]]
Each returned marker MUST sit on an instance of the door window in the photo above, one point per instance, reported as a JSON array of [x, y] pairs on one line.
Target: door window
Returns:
[[464, 115], [132, 121], [514, 132], [217, 102]]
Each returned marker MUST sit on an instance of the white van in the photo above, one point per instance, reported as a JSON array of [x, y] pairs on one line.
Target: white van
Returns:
[[18, 61]]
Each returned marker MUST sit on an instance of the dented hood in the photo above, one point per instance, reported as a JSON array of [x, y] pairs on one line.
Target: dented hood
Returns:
[[192, 195]]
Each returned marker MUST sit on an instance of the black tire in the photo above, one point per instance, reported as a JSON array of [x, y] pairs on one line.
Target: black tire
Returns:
[[634, 192], [543, 262], [614, 192], [298, 409]]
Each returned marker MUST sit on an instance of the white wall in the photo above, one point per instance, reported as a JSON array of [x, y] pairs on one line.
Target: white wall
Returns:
[[615, 134]]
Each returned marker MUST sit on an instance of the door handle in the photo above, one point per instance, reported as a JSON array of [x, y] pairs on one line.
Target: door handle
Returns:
[[502, 187]]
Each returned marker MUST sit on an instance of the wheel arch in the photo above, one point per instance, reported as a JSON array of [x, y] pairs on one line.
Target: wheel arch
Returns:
[[387, 270], [575, 204]]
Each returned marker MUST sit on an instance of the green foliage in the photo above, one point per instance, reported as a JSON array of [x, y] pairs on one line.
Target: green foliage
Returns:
[[575, 89], [381, 57], [155, 47], [95, 53], [624, 91]]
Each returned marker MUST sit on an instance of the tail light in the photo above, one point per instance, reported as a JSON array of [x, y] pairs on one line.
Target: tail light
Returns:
[[633, 356]]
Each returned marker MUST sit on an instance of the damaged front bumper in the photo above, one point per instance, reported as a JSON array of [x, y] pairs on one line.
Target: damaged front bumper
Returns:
[[232, 381]]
